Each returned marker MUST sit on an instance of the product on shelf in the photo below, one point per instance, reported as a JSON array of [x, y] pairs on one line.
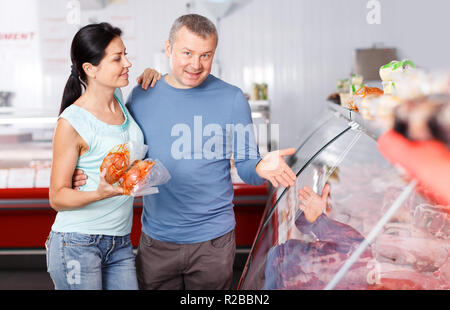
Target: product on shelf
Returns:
[[440, 124], [381, 106], [343, 85], [357, 83], [334, 97], [393, 71], [381, 109], [424, 118], [362, 98], [419, 108], [347, 89], [421, 83], [367, 91]]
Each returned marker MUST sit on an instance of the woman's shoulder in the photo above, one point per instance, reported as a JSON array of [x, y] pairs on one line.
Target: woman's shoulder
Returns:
[[71, 113]]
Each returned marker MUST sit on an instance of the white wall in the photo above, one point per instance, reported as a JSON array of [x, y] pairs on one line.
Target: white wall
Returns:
[[299, 47], [302, 46], [20, 56]]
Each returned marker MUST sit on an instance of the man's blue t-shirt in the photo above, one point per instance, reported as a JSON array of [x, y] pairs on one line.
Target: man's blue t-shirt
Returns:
[[193, 132]]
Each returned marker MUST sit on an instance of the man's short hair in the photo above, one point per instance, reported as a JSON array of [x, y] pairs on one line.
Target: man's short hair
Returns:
[[197, 24]]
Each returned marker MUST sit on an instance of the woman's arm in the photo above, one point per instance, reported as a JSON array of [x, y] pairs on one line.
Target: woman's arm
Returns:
[[67, 147]]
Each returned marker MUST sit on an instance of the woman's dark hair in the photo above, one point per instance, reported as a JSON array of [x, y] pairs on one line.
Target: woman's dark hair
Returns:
[[88, 45]]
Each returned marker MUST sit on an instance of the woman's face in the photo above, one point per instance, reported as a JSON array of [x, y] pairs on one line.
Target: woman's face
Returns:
[[112, 71]]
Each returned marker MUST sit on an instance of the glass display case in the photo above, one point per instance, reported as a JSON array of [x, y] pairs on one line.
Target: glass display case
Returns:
[[377, 230]]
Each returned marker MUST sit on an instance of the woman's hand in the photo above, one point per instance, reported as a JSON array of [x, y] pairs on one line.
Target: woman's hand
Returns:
[[149, 77], [312, 204], [106, 190]]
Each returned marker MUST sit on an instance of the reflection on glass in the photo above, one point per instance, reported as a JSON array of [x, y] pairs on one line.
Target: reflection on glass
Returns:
[[410, 252]]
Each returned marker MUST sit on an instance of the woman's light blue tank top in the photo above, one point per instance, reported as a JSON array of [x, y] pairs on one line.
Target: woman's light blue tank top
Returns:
[[112, 216]]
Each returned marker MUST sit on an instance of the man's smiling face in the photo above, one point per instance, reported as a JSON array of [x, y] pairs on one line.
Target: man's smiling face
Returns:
[[191, 57]]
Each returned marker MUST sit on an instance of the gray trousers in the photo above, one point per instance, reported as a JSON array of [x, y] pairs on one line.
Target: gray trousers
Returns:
[[199, 266]]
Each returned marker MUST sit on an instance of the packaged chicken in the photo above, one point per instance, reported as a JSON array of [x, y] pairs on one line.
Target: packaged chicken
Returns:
[[138, 178], [116, 163], [143, 176]]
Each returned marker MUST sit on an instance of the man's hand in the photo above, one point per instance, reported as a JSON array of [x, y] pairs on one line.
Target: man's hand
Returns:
[[149, 77], [78, 179], [274, 169], [312, 204]]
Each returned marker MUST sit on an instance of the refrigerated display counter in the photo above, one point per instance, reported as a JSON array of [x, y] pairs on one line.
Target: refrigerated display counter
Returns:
[[379, 230], [26, 216], [25, 213]]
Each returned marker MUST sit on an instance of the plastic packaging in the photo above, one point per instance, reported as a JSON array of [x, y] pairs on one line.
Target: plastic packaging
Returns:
[[116, 163], [396, 69], [143, 177], [125, 168]]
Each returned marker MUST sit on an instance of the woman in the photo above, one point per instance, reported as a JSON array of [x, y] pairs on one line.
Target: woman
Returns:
[[89, 244]]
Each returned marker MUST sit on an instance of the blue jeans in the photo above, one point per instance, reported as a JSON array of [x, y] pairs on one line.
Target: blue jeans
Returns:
[[90, 262]]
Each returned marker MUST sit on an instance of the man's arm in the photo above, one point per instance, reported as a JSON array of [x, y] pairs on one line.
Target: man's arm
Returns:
[[251, 168]]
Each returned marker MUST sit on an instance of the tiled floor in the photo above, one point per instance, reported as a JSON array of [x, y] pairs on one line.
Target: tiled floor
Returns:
[[28, 272]]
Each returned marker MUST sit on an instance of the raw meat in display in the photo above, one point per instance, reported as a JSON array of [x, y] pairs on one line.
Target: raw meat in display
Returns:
[[434, 219], [425, 255], [326, 229], [404, 277], [297, 264], [406, 230]]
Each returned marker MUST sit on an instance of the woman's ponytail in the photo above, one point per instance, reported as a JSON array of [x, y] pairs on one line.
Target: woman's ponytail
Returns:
[[72, 90], [88, 46]]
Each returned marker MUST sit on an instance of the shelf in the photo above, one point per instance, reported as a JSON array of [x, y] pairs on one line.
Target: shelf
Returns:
[[371, 128]]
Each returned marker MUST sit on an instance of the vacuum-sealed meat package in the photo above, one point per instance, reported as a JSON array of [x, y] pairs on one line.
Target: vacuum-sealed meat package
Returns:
[[125, 167], [143, 176]]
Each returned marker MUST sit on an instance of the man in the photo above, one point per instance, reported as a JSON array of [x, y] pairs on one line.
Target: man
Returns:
[[188, 228], [192, 123]]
